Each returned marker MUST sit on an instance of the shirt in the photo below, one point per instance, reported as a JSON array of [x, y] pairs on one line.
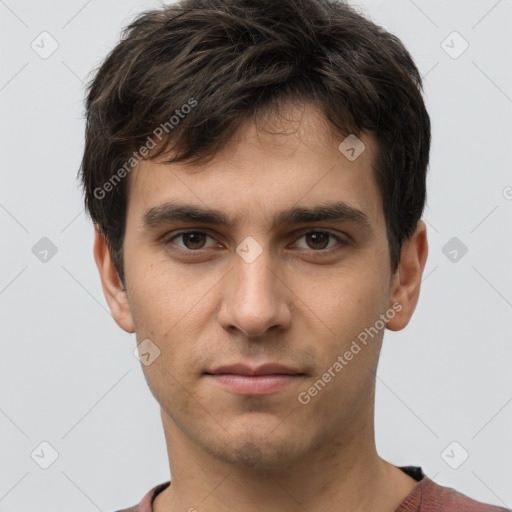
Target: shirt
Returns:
[[427, 496]]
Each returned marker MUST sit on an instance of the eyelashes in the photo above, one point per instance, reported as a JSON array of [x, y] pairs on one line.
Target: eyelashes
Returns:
[[195, 240]]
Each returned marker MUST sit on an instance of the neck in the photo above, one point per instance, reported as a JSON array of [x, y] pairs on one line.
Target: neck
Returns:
[[345, 474]]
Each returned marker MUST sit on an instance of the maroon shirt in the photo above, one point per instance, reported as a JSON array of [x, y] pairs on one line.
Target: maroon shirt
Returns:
[[427, 496]]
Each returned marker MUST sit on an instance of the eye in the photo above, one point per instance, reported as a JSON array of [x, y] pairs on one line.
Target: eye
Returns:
[[319, 240], [316, 241], [192, 240]]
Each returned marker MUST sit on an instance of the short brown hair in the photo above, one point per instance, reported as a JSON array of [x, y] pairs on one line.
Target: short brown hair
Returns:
[[228, 60]]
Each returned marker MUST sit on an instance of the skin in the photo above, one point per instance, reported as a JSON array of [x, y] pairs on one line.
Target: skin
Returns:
[[295, 304]]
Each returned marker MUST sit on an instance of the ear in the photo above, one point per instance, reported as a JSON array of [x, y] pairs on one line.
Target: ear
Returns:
[[111, 284], [405, 289]]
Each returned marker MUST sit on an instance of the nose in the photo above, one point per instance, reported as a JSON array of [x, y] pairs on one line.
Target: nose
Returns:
[[255, 298]]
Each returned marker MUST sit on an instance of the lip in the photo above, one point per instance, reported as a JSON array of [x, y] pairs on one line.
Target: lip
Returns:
[[264, 369], [255, 385], [262, 380]]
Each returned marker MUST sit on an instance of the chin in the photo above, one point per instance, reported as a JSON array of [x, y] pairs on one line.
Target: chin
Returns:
[[254, 448]]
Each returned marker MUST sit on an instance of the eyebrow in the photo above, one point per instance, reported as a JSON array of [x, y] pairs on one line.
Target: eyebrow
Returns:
[[172, 211]]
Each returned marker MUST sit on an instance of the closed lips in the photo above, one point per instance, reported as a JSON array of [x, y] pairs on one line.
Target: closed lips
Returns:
[[266, 369]]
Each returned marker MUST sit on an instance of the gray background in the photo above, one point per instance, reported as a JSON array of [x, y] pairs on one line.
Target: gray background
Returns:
[[68, 374]]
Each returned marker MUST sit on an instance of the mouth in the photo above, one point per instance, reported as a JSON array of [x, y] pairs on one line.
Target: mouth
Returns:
[[263, 380]]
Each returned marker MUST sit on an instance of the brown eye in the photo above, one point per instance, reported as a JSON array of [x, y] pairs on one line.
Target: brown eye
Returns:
[[190, 240], [317, 239], [322, 241], [193, 240]]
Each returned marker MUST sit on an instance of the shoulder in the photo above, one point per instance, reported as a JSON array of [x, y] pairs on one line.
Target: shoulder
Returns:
[[146, 504], [445, 499]]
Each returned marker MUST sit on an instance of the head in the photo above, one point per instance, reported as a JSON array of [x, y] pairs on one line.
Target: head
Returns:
[[225, 119]]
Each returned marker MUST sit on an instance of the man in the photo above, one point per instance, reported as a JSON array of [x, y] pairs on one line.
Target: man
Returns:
[[256, 174]]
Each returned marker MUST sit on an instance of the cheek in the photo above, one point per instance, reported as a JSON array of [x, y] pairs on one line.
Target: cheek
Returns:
[[345, 301], [173, 308], [347, 346], [164, 312], [163, 294], [348, 311]]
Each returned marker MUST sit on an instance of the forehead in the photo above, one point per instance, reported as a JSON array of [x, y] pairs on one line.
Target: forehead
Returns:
[[288, 160]]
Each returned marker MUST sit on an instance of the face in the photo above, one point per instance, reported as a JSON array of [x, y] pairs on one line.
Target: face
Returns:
[[252, 285]]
